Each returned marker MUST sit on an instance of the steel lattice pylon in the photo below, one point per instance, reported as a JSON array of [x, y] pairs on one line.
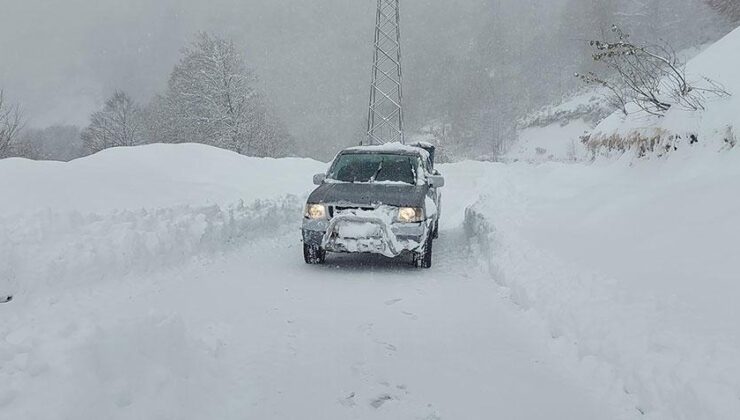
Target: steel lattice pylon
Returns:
[[385, 116]]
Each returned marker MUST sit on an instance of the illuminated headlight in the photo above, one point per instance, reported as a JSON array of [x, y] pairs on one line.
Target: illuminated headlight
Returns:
[[410, 215], [316, 211]]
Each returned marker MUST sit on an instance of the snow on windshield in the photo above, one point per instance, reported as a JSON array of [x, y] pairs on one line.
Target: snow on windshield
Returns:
[[375, 168]]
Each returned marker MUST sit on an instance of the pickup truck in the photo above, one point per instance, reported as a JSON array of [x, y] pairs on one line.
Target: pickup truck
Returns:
[[375, 199]]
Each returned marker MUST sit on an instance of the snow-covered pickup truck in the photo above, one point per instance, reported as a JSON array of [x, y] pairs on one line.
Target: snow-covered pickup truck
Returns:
[[375, 199]]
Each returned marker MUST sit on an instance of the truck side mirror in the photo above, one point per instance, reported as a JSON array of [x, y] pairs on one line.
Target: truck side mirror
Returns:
[[436, 181], [319, 179]]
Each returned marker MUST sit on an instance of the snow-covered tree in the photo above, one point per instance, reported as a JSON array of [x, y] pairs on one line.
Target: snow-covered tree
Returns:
[[10, 126], [652, 76], [58, 142], [212, 99], [120, 123]]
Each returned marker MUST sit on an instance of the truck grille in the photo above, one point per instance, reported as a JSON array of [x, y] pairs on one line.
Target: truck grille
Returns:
[[339, 209]]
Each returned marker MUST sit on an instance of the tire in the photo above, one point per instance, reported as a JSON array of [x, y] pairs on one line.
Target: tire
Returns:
[[435, 235], [424, 259], [313, 254]]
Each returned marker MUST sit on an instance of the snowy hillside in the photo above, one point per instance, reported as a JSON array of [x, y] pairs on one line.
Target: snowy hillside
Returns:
[[557, 133], [715, 127], [629, 264], [632, 269]]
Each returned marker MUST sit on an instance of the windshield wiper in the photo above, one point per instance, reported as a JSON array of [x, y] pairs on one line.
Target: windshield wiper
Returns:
[[375, 175]]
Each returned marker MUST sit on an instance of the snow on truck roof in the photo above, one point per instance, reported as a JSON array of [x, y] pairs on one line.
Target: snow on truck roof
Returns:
[[389, 148]]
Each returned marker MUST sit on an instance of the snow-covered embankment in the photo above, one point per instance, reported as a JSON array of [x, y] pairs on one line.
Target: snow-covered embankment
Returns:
[[630, 262], [632, 268], [133, 210]]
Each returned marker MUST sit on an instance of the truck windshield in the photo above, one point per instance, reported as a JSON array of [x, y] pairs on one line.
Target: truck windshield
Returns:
[[374, 167]]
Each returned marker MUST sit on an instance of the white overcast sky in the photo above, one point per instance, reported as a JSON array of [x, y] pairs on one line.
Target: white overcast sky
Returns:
[[60, 59]]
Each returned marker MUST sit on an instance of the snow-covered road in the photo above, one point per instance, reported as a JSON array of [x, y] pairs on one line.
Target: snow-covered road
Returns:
[[363, 339], [558, 291], [257, 334]]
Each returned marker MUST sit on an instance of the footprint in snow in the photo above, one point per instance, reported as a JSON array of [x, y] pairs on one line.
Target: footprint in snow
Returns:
[[388, 346], [392, 302], [348, 401], [410, 315], [378, 402]]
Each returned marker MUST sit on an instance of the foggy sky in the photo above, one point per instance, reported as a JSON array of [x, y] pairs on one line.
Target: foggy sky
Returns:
[[61, 59]]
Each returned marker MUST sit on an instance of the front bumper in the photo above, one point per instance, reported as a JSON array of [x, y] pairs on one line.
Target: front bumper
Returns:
[[359, 234]]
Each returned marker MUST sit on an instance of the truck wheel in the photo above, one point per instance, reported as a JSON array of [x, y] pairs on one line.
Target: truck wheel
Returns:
[[424, 259], [435, 235], [313, 254]]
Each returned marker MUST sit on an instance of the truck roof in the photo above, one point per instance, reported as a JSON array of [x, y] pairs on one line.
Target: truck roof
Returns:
[[398, 148]]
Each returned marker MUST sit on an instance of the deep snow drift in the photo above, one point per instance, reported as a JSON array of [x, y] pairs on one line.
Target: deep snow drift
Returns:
[[631, 264], [149, 177], [135, 209], [632, 268], [200, 310], [192, 303], [637, 260]]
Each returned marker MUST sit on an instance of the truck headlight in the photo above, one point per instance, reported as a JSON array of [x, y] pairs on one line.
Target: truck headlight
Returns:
[[410, 215], [315, 211]]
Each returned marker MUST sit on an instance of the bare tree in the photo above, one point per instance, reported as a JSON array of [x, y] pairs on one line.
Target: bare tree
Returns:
[[120, 123], [651, 76], [10, 126], [57, 142]]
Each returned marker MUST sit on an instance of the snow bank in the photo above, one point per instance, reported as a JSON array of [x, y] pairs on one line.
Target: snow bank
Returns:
[[555, 133], [136, 209], [78, 241], [715, 127], [632, 268], [153, 176], [49, 252], [556, 142]]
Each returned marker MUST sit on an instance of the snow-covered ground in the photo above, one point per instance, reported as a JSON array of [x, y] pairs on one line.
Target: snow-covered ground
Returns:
[[197, 307], [572, 291], [131, 210], [555, 133], [633, 269], [630, 263]]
